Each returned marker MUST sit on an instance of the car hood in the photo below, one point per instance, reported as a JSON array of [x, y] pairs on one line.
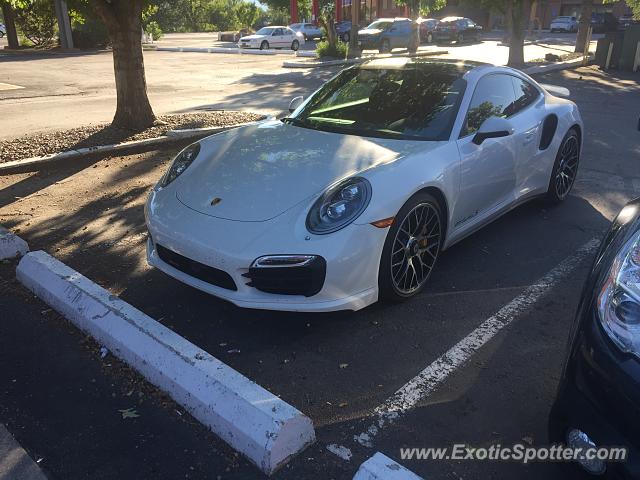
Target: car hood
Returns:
[[253, 37], [258, 172], [370, 31]]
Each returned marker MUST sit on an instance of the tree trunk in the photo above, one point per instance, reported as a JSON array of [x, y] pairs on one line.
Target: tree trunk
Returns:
[[10, 25], [414, 39], [123, 19], [517, 29], [585, 23], [354, 49]]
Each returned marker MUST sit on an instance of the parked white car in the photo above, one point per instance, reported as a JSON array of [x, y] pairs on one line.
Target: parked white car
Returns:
[[308, 30], [564, 24], [273, 37], [354, 195]]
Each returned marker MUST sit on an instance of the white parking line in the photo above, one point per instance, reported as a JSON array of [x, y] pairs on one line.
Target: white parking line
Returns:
[[429, 379], [8, 86]]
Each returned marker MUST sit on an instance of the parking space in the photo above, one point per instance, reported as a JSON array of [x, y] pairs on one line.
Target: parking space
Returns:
[[339, 368]]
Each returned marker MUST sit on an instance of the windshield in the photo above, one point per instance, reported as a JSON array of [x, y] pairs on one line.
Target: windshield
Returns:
[[379, 25], [417, 102], [265, 31]]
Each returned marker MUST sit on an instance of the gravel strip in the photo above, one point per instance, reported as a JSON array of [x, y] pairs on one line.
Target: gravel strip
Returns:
[[103, 134]]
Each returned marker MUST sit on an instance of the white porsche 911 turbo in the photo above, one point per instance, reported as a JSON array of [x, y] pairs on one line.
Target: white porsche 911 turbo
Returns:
[[352, 197]]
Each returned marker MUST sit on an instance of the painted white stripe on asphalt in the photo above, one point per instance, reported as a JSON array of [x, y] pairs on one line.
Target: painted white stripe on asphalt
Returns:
[[429, 379], [381, 467], [8, 86], [252, 420]]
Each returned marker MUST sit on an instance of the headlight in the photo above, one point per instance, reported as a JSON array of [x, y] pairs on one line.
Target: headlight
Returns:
[[619, 298], [339, 206], [180, 164]]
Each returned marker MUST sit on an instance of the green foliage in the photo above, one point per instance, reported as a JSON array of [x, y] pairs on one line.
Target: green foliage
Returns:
[[325, 50], [205, 15], [88, 31], [423, 7], [37, 22], [152, 28]]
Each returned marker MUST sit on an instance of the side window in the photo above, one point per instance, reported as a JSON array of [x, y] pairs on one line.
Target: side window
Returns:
[[278, 31], [526, 94], [493, 97]]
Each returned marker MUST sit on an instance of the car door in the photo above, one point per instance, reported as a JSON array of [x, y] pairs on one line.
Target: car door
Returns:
[[488, 174], [277, 37], [288, 36], [527, 116]]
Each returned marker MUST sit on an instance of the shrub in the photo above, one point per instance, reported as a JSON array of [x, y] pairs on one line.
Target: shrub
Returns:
[[37, 22], [325, 50], [153, 29]]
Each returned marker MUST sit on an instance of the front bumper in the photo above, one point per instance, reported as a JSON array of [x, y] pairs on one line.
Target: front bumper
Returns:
[[369, 42], [352, 254], [600, 395], [445, 35]]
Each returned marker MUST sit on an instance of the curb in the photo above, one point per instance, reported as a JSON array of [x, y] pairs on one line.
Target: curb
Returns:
[[553, 67], [381, 467], [11, 245], [171, 135], [353, 61], [189, 132], [252, 420], [240, 51]]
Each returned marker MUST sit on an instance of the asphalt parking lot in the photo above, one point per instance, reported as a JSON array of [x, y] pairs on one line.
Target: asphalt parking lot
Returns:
[[336, 368]]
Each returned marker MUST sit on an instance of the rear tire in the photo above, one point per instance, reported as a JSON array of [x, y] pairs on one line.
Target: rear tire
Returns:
[[295, 45], [411, 248], [264, 45], [460, 38], [565, 168], [346, 37], [429, 37]]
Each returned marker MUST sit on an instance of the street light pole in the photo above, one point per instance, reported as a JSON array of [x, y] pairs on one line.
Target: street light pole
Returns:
[[64, 25]]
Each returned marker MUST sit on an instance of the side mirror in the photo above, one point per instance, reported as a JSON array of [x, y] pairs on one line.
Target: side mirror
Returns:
[[493, 127], [295, 103]]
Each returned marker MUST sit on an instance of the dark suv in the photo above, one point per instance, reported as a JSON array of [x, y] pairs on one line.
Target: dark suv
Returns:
[[386, 34], [604, 22], [457, 29]]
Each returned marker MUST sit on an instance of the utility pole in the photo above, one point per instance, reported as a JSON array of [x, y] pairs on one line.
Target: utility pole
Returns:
[[64, 25]]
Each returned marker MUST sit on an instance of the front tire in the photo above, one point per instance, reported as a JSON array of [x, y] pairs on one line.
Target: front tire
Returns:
[[264, 45], [565, 168], [411, 249], [460, 38], [346, 37], [295, 45]]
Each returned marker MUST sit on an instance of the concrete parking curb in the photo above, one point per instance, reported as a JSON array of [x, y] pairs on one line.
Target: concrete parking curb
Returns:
[[353, 61], [252, 420], [171, 135], [381, 467], [11, 245], [552, 67], [241, 51]]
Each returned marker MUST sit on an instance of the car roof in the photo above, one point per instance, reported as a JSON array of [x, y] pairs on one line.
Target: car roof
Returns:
[[396, 19], [452, 19]]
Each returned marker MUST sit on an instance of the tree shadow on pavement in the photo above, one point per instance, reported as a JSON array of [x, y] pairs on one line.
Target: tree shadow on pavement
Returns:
[[271, 91]]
